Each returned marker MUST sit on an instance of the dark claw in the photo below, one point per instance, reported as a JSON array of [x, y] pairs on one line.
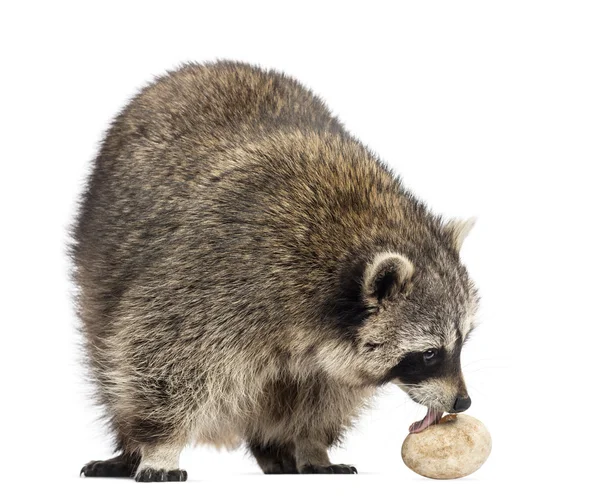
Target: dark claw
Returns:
[[177, 476]]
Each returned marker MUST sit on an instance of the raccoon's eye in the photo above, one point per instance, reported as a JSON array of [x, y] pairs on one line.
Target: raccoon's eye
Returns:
[[429, 355]]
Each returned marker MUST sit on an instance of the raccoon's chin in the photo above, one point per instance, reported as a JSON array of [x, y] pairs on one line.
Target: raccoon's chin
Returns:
[[432, 417]]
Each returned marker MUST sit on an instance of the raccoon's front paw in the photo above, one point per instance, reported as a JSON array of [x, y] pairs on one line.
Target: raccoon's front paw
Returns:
[[280, 468], [336, 469], [152, 475]]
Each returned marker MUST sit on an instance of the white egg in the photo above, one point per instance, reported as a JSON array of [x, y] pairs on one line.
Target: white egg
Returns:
[[455, 447]]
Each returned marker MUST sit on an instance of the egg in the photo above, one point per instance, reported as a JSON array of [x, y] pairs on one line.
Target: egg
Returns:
[[455, 447]]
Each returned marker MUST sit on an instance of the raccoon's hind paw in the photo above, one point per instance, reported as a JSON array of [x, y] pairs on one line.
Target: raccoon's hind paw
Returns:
[[336, 469], [117, 467], [152, 475]]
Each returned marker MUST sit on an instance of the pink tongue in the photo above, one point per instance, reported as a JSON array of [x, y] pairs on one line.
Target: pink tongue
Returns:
[[432, 417]]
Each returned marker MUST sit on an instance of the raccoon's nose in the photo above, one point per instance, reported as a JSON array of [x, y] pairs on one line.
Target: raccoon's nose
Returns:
[[462, 404]]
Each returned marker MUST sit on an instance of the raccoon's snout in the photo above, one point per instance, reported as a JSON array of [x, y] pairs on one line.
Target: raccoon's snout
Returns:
[[461, 404]]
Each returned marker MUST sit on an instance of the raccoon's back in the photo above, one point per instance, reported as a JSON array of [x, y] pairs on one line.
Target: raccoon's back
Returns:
[[234, 191], [169, 142]]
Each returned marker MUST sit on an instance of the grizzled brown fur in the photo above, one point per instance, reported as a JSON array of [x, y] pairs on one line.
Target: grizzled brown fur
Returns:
[[248, 271]]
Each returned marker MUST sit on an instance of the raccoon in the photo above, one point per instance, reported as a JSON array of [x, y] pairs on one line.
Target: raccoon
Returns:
[[250, 274]]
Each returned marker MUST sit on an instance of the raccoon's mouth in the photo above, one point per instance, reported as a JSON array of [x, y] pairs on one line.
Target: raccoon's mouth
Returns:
[[432, 417]]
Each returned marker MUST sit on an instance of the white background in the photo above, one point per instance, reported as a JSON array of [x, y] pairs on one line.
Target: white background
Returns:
[[489, 109]]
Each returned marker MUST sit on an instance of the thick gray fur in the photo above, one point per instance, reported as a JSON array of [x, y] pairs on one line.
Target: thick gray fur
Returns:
[[249, 272]]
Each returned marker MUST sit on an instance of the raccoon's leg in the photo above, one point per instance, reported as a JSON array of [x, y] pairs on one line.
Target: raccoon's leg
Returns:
[[150, 421], [312, 458], [123, 465], [160, 463], [274, 458]]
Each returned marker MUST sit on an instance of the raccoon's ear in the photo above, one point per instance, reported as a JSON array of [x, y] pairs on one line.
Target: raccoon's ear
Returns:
[[458, 230], [387, 276]]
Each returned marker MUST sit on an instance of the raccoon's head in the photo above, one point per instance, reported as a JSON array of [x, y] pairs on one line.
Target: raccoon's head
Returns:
[[421, 306]]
